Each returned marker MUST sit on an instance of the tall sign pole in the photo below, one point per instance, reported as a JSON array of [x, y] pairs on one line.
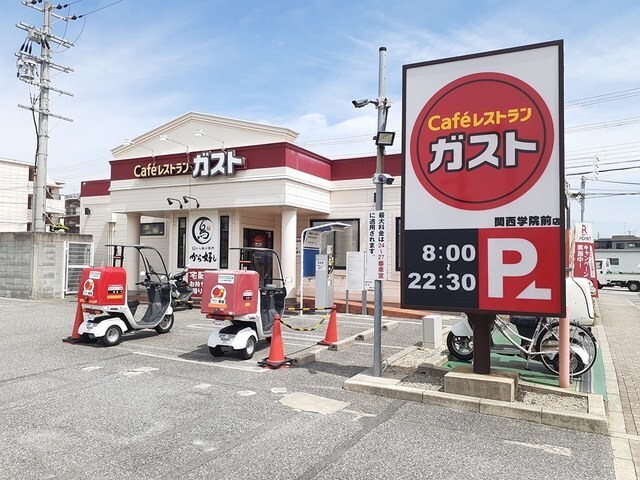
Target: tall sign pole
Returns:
[[26, 64], [377, 292]]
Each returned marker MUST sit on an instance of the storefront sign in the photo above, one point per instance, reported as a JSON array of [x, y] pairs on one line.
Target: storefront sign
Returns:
[[207, 164], [195, 278], [219, 163], [482, 183], [203, 241], [156, 170]]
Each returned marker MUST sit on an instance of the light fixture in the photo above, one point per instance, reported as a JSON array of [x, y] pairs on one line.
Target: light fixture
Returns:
[[130, 143], [186, 199], [385, 139], [200, 133], [165, 138], [171, 200]]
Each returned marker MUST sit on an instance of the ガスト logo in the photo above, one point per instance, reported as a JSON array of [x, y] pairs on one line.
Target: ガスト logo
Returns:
[[482, 141]]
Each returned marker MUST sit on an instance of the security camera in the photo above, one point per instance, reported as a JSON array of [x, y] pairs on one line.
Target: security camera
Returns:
[[383, 178], [360, 103]]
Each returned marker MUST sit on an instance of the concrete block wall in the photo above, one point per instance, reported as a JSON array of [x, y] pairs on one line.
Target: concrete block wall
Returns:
[[32, 263]]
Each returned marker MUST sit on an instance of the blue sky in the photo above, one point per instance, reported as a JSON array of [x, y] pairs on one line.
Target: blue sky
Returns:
[[141, 63]]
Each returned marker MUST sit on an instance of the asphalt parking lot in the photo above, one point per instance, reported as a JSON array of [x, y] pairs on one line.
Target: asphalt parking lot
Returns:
[[160, 406]]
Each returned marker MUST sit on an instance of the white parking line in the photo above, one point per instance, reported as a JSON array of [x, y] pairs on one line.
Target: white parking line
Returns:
[[385, 346], [208, 364]]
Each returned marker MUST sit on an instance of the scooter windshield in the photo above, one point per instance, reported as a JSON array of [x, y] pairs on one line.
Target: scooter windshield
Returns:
[[263, 263], [153, 265]]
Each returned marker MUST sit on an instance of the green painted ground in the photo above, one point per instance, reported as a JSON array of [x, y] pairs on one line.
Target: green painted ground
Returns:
[[536, 372]]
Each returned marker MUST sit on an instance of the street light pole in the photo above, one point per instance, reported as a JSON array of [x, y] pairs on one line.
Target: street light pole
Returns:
[[377, 292]]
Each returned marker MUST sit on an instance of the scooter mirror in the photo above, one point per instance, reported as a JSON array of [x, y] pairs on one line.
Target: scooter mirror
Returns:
[[143, 274]]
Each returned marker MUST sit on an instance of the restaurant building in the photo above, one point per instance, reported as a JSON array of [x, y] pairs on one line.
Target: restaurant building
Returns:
[[200, 185]]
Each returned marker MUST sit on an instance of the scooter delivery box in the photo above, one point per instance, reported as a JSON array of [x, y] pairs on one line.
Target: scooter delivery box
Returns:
[[103, 286], [230, 292]]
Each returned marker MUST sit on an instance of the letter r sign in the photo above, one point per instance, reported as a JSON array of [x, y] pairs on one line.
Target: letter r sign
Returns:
[[518, 270]]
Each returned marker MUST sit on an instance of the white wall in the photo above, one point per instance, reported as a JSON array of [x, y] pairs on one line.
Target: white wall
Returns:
[[628, 260], [14, 196]]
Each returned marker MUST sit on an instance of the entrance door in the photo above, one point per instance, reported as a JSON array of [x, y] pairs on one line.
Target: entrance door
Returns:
[[263, 264]]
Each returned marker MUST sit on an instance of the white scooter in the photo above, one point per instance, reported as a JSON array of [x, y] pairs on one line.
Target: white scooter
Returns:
[[243, 303], [107, 311]]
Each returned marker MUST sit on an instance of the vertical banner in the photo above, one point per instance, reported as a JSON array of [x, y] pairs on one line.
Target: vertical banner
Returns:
[[483, 189], [376, 257], [202, 247], [584, 255]]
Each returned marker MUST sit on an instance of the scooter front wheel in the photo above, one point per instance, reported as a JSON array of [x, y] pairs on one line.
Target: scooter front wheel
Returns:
[[165, 324], [460, 347], [216, 351], [112, 336]]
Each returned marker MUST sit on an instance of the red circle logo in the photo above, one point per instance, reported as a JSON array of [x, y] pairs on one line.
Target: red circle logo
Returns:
[[482, 141]]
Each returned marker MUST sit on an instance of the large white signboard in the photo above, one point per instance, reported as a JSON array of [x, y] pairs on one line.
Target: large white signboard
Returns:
[[483, 182]]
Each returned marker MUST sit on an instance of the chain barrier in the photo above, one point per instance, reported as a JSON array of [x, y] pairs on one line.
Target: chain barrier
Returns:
[[328, 311]]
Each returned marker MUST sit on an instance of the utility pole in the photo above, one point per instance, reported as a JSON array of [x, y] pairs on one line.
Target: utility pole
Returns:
[[27, 64], [583, 186]]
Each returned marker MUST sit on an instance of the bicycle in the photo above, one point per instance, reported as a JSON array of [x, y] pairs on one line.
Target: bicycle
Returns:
[[542, 345]]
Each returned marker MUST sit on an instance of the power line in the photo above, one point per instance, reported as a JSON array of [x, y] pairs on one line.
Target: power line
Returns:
[[613, 181], [608, 124], [575, 174], [606, 97], [74, 17]]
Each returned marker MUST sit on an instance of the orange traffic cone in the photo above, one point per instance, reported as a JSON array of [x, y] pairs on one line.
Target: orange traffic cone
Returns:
[[75, 336], [276, 357], [332, 330]]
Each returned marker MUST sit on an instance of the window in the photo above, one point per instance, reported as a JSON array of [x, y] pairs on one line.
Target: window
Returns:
[[619, 246], [182, 240], [614, 261], [257, 238], [224, 241], [398, 243], [343, 242], [631, 245], [152, 229]]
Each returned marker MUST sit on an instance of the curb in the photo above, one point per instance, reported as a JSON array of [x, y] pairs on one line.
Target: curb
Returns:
[[595, 421], [308, 355]]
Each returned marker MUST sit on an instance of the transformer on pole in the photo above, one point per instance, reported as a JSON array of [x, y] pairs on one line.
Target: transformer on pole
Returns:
[[28, 72]]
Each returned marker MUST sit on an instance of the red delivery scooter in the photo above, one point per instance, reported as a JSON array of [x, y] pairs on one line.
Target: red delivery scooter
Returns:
[[243, 303], [107, 311]]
